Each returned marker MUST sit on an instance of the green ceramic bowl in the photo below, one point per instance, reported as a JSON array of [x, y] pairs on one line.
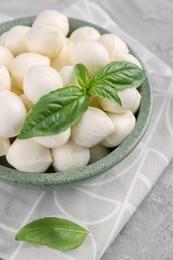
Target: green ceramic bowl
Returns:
[[52, 179]]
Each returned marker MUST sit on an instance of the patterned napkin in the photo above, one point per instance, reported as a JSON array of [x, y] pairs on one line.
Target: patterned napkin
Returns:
[[105, 203]]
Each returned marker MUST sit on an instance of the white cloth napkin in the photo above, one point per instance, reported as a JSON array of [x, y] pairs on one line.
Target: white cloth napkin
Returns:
[[105, 203]]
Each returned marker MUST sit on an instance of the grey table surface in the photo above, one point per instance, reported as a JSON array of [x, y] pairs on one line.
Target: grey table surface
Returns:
[[149, 233]]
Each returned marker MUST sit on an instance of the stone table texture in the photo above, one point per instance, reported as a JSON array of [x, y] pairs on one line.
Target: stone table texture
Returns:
[[149, 233]]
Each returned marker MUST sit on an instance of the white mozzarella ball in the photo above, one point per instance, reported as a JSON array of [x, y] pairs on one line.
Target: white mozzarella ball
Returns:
[[63, 56], [98, 152], [124, 124], [3, 37], [4, 146], [28, 105], [92, 128], [70, 156], [114, 45], [136, 104], [12, 114], [54, 141], [91, 53], [6, 57], [127, 57], [39, 81], [5, 80], [130, 97], [68, 76], [85, 33], [46, 40], [14, 40], [29, 156], [21, 64], [52, 18]]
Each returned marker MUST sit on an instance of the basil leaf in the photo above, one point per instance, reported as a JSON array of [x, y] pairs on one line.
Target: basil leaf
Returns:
[[105, 92], [55, 112], [53, 232], [118, 75], [82, 75]]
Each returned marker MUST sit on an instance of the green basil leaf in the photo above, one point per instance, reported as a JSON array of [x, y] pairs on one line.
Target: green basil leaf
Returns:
[[55, 112], [53, 232], [82, 75], [105, 92], [119, 75]]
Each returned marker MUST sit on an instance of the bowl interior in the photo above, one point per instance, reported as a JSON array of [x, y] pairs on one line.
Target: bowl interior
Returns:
[[52, 179]]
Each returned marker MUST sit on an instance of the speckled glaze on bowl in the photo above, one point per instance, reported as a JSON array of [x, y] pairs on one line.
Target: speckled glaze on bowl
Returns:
[[52, 179]]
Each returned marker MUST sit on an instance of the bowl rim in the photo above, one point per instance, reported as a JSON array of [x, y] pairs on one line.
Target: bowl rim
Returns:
[[43, 180]]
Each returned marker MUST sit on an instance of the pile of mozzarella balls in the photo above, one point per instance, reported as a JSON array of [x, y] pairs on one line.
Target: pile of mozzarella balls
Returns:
[[39, 59]]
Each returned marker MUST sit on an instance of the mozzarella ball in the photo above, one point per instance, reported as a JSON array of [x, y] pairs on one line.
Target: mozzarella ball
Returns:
[[6, 57], [127, 57], [46, 40], [52, 18], [21, 64], [85, 33], [92, 54], [98, 152], [136, 104], [92, 128], [2, 38], [12, 114], [130, 97], [63, 56], [4, 146], [29, 156], [70, 156], [14, 40], [124, 124], [68, 76], [39, 81], [114, 45], [5, 80], [54, 141], [28, 105]]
